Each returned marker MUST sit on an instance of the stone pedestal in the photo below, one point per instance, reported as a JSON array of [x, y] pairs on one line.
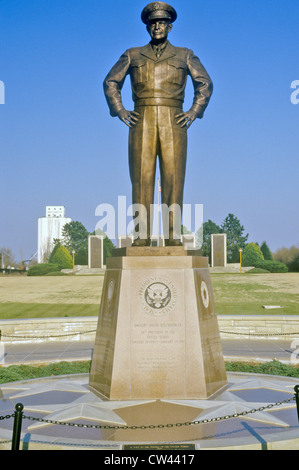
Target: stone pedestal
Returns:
[[188, 241], [95, 251], [125, 241], [218, 250], [157, 335]]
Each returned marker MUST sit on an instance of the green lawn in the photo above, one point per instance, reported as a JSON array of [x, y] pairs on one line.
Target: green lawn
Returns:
[[246, 294], [72, 296], [11, 310], [26, 372], [252, 308]]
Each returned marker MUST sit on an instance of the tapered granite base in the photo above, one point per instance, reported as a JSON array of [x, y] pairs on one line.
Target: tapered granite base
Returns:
[[157, 335]]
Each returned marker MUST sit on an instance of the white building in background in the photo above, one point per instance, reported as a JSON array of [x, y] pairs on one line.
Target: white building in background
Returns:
[[49, 228]]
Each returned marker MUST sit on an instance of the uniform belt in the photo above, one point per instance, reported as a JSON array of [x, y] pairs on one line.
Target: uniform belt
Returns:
[[159, 102]]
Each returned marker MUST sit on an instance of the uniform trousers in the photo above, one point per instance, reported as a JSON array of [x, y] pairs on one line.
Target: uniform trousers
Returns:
[[156, 135]]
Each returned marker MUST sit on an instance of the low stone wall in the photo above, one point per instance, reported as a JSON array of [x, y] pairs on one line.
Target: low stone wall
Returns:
[[48, 329], [85, 270], [231, 268], [84, 328], [259, 326]]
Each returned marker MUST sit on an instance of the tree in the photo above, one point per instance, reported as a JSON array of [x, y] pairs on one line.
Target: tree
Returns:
[[108, 245], [266, 252], [286, 255], [252, 255], [184, 230], [208, 229], [294, 264], [57, 244], [235, 237], [61, 257], [75, 237], [7, 257]]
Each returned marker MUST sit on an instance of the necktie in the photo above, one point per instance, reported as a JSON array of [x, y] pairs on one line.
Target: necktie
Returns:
[[158, 52]]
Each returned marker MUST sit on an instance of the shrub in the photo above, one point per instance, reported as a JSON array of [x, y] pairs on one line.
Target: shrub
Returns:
[[81, 257], [286, 255], [56, 273], [252, 255], [273, 266], [42, 269], [266, 251], [25, 372], [294, 264], [257, 271], [61, 257], [57, 245], [108, 248], [272, 368]]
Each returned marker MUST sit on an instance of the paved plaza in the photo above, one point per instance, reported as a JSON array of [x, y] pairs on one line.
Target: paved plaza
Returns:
[[233, 349], [67, 399], [252, 411]]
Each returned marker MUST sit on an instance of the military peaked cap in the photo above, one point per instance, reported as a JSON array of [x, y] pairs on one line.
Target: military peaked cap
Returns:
[[158, 10]]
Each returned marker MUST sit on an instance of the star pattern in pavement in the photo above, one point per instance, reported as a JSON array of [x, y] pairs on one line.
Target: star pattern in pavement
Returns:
[[262, 383], [210, 409], [49, 386], [88, 407]]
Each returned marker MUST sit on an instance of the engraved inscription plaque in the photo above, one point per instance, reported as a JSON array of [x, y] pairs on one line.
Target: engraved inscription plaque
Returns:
[[157, 335]]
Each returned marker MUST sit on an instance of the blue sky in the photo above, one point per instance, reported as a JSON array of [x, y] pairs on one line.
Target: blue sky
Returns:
[[59, 145]]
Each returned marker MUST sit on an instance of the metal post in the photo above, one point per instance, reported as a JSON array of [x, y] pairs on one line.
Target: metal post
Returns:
[[240, 250], [159, 190], [73, 262], [17, 427], [297, 398]]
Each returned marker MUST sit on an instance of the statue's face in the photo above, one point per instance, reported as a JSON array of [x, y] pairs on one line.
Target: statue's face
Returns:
[[159, 29]]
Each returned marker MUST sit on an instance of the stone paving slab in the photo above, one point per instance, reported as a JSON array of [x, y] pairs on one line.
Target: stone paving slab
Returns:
[[247, 421]]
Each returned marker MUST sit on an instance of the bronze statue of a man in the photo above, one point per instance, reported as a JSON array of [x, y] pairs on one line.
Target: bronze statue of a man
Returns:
[[158, 125]]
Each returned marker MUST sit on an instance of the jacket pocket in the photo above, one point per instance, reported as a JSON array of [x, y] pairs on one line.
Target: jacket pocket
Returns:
[[139, 73], [176, 71]]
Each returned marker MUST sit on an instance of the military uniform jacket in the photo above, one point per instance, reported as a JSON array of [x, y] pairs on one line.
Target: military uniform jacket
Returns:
[[158, 81]]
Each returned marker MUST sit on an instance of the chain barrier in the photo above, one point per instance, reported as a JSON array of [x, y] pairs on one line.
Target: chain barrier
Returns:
[[258, 334], [155, 426], [170, 425], [94, 331], [6, 417], [46, 337], [18, 416]]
